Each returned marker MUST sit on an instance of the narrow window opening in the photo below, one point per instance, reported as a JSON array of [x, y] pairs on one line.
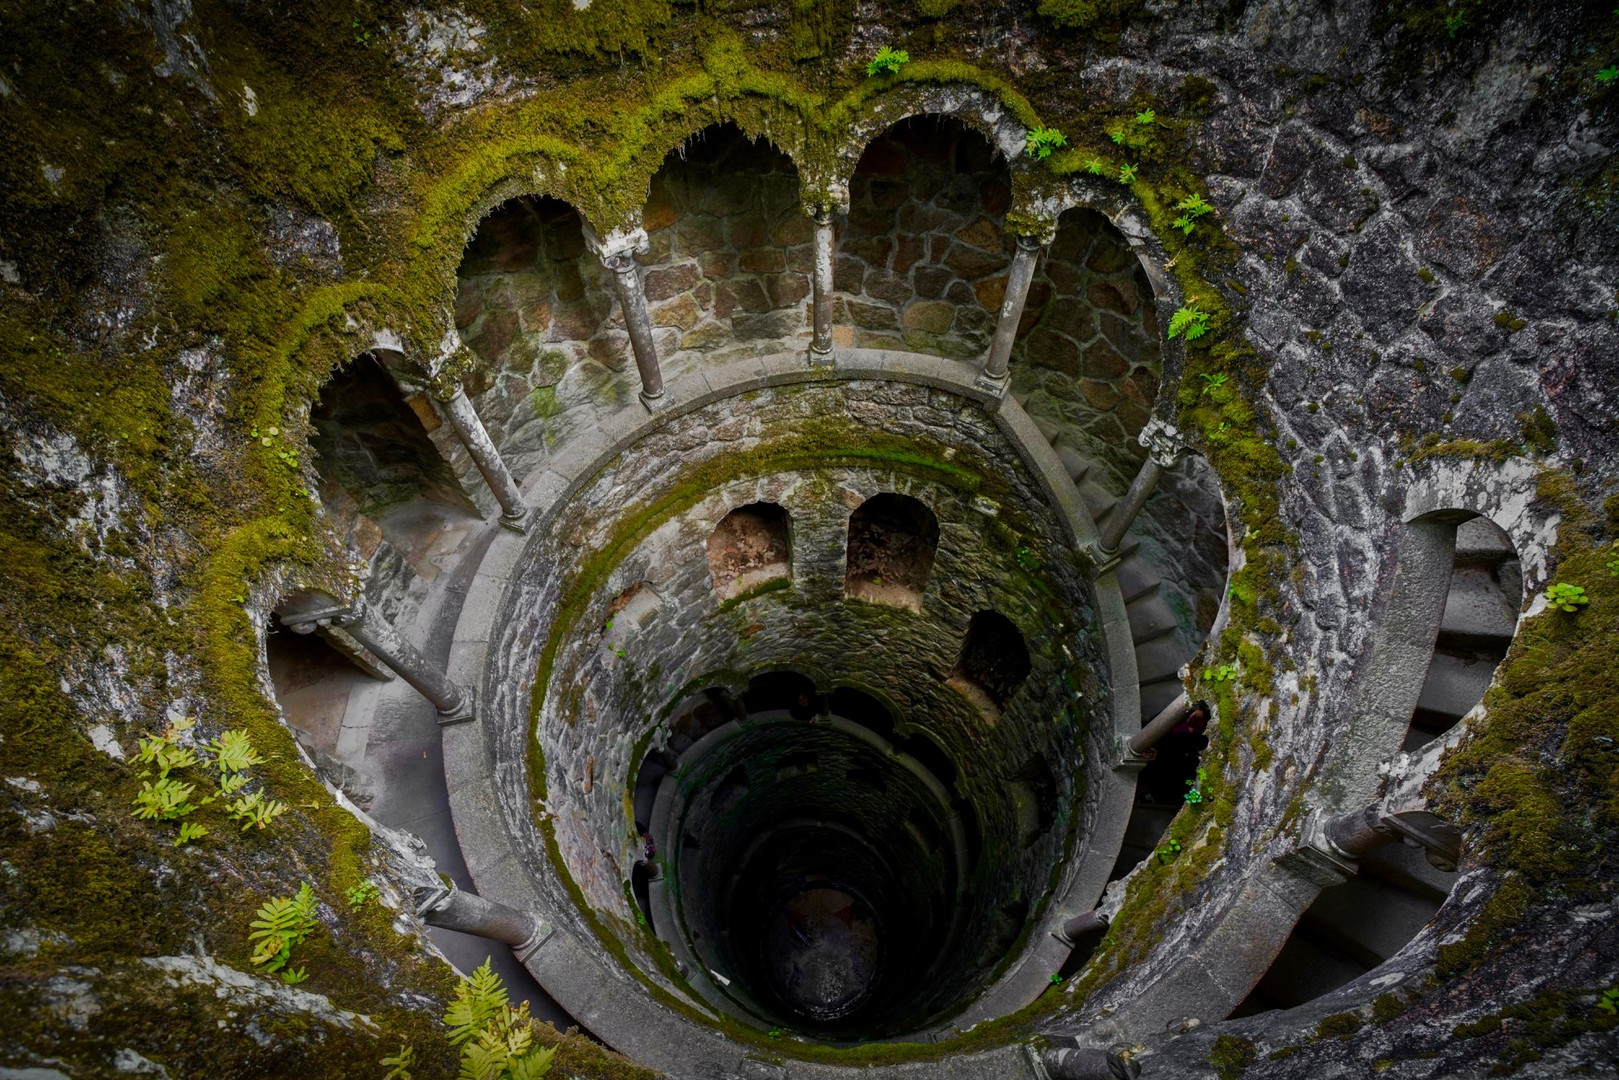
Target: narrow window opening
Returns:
[[748, 548], [994, 662], [892, 540]]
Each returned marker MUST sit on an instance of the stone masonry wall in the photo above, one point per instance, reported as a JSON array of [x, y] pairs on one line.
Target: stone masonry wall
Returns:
[[921, 263], [731, 249]]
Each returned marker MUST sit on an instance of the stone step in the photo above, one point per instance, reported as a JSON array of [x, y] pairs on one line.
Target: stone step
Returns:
[[1161, 659], [1455, 683], [1480, 540], [1151, 617], [1477, 606]]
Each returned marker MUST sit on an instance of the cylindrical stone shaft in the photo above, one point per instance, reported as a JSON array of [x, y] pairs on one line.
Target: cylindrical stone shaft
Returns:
[[386, 643], [472, 914], [1017, 294], [1161, 725], [1124, 514], [821, 306], [632, 299], [464, 419]]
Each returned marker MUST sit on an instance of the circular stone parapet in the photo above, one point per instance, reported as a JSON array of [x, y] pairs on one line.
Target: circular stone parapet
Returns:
[[583, 636]]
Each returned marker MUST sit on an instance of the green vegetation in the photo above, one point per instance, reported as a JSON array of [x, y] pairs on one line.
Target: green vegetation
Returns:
[[1565, 597], [283, 923], [360, 895], [1191, 208], [1232, 1055], [1341, 1026], [497, 1041], [1190, 322], [1042, 141], [887, 61]]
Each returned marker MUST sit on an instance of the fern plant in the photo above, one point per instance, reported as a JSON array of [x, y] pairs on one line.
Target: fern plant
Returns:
[[189, 831], [887, 61], [399, 1064], [233, 753], [255, 811], [360, 894], [282, 923], [1094, 166], [1146, 116], [1042, 141], [1189, 322], [496, 1040], [1127, 173], [1191, 208], [162, 752], [166, 800]]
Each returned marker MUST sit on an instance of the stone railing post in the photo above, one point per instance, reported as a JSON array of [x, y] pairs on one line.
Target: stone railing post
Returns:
[[617, 251], [376, 634], [514, 512], [996, 366], [1355, 835], [1163, 448], [632, 298], [448, 908], [443, 383], [821, 280]]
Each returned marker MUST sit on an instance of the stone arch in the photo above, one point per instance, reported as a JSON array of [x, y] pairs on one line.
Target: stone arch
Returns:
[[967, 104], [994, 661], [922, 261], [892, 539], [535, 307], [750, 547]]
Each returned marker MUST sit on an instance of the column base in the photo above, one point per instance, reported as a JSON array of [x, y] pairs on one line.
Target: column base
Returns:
[[1103, 560], [467, 711], [993, 385], [542, 934], [819, 357], [519, 523], [1129, 761], [653, 404]]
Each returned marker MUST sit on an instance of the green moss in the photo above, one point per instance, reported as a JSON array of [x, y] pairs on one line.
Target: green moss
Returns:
[[774, 585], [1387, 1008], [1509, 322], [1341, 1026], [1539, 432], [1231, 1056]]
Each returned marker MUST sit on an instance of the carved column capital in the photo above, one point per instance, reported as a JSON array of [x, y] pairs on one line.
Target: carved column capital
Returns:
[[1163, 442]]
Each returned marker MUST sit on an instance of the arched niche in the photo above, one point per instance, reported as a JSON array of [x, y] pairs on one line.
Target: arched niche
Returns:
[[993, 664], [729, 247], [748, 548], [1089, 354], [892, 540], [923, 258], [535, 306]]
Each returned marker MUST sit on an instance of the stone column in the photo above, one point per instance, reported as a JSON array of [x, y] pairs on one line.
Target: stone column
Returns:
[[1163, 448], [1162, 724], [1080, 925], [821, 306], [376, 634], [995, 375], [514, 512], [449, 908], [1355, 835], [1086, 1064], [632, 299]]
